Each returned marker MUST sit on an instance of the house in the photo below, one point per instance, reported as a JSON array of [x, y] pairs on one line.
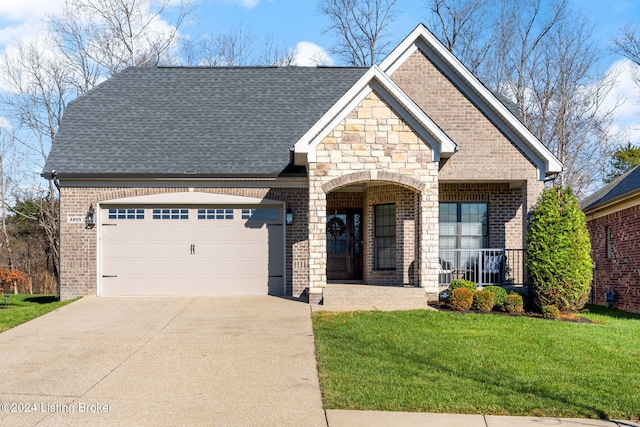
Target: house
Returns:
[[261, 180], [613, 220]]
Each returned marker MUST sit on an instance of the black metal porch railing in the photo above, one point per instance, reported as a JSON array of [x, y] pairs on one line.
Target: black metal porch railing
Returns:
[[483, 266]]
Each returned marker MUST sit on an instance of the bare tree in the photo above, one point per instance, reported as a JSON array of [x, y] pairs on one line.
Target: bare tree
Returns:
[[461, 25], [540, 56], [627, 43], [39, 88], [102, 37], [231, 47], [274, 54], [361, 28]]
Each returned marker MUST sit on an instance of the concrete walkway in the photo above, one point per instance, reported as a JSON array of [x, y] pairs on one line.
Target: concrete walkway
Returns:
[[246, 361], [412, 419]]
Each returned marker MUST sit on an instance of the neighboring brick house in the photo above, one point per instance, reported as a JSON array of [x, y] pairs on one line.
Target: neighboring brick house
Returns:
[[613, 219], [263, 180]]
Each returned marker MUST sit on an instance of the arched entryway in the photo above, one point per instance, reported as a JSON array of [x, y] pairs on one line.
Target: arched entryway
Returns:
[[373, 230]]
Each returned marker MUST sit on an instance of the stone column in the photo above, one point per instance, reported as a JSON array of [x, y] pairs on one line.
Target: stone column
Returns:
[[429, 241], [317, 240]]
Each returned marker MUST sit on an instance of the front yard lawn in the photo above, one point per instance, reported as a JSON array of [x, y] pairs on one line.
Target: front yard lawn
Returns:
[[22, 308], [426, 361]]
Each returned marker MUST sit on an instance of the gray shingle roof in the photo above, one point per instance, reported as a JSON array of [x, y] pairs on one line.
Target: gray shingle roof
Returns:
[[216, 121], [622, 186]]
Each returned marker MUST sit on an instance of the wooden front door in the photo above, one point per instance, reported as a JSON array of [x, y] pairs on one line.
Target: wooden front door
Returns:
[[344, 244]]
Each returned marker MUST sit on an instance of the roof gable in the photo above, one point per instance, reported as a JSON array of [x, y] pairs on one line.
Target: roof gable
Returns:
[[375, 80], [423, 40]]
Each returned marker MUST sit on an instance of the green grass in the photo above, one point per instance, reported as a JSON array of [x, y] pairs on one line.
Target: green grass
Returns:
[[425, 361], [22, 308]]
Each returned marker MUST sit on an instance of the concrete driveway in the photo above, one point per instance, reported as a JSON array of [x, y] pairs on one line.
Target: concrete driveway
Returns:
[[246, 361]]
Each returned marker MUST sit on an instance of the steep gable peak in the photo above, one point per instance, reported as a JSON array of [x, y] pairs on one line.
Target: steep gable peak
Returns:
[[375, 80], [421, 39]]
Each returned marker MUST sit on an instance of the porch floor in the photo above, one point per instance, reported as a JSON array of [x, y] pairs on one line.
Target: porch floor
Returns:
[[352, 296]]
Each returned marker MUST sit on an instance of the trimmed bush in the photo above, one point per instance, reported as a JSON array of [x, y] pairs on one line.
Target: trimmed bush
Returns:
[[461, 299], [513, 303], [461, 283], [499, 295], [483, 300], [559, 252], [550, 312]]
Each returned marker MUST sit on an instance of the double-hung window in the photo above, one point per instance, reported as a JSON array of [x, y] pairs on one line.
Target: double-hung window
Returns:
[[462, 226]]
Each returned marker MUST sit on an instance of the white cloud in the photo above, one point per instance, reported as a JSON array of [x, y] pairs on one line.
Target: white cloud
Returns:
[[28, 10], [626, 94], [310, 55], [23, 19]]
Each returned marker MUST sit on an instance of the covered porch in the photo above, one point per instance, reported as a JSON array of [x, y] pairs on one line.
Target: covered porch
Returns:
[[501, 267]]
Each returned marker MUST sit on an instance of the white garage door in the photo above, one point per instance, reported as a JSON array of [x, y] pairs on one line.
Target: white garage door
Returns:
[[201, 250]]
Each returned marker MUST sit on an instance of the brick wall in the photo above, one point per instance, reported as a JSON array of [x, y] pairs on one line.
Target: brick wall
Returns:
[[78, 245], [485, 153], [622, 269], [374, 145]]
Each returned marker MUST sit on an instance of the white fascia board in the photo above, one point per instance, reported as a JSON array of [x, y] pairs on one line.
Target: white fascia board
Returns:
[[378, 81], [550, 164]]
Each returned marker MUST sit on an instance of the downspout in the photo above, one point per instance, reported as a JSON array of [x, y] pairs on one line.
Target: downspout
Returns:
[[56, 183]]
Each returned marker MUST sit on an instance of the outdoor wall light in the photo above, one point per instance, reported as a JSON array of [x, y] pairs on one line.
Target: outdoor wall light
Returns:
[[89, 220], [289, 216]]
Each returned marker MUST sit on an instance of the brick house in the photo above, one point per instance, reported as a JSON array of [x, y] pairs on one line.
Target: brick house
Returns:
[[263, 180], [613, 219]]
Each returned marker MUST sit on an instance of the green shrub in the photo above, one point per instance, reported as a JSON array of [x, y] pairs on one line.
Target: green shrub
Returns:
[[550, 312], [558, 252], [513, 303], [461, 283], [499, 294], [461, 299], [483, 300]]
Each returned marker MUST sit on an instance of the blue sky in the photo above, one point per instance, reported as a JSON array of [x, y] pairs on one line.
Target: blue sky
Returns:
[[290, 22]]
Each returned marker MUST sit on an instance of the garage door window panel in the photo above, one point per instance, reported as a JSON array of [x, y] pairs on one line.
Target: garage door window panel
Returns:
[[214, 214], [170, 214], [118, 213]]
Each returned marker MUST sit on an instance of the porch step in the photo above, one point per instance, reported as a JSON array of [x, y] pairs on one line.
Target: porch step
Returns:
[[375, 297]]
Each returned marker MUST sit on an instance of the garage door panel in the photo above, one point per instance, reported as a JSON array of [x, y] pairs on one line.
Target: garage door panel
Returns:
[[192, 257]]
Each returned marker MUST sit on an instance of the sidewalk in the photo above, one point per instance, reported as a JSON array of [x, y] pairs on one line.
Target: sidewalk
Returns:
[[340, 418]]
